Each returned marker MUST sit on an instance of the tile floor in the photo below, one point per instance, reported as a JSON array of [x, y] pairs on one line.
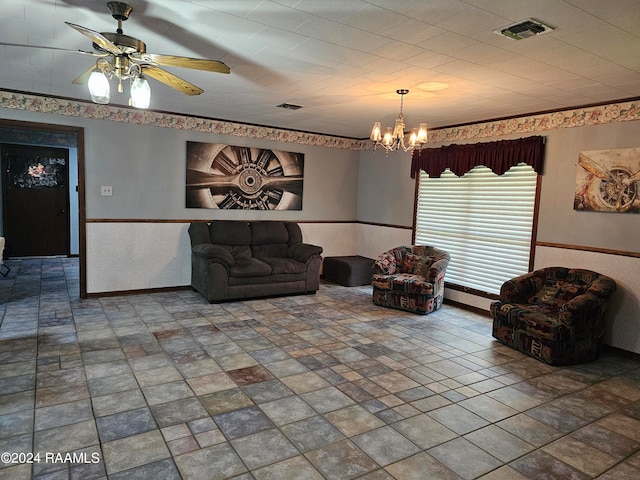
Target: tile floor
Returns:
[[166, 386]]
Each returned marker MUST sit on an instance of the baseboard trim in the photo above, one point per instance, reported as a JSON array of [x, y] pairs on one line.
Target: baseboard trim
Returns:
[[469, 308], [141, 291]]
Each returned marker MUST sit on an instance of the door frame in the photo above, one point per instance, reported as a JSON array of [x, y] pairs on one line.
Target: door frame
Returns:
[[82, 216]]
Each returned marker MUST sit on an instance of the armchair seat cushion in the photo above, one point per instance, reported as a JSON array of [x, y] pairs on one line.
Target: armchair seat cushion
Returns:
[[539, 319], [403, 282]]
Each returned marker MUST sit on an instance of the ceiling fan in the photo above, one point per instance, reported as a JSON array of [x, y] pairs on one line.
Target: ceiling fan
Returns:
[[124, 57]]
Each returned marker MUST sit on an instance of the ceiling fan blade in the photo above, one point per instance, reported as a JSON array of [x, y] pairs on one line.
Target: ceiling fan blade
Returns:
[[93, 54], [183, 62], [97, 38], [172, 80], [83, 78]]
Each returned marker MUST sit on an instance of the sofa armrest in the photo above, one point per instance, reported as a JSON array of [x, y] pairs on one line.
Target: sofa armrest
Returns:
[[303, 251], [213, 253]]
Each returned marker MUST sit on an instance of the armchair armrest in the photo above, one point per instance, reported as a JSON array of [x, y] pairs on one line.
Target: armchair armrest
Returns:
[[582, 303], [303, 251], [213, 253], [437, 269]]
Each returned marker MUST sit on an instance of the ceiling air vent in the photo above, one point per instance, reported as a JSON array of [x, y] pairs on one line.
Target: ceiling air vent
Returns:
[[289, 106], [524, 29]]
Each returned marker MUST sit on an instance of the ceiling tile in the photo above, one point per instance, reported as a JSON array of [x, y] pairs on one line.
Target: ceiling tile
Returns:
[[338, 56]]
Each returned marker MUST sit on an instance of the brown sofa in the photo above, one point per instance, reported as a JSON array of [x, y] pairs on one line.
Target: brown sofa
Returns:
[[237, 259]]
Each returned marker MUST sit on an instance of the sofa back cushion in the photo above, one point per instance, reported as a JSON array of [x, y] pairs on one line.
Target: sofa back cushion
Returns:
[[295, 234], [230, 232], [269, 239], [199, 234], [235, 236]]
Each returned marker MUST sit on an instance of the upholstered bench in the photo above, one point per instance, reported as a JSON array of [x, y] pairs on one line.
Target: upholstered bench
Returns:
[[349, 271]]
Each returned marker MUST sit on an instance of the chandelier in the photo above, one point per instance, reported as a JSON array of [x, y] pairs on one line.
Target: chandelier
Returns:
[[121, 68], [394, 139]]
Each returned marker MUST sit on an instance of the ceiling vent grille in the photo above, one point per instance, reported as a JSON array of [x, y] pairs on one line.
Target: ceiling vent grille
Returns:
[[524, 29], [289, 106]]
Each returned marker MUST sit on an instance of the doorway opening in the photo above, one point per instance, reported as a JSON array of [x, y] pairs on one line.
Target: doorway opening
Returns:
[[43, 193]]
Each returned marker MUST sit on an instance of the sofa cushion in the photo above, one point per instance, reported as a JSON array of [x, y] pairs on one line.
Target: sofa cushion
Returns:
[[230, 232], [280, 265], [269, 239], [273, 250], [239, 251], [249, 267], [295, 234], [267, 233], [213, 252], [199, 234]]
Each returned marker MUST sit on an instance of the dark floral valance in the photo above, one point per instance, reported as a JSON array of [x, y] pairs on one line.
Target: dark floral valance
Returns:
[[499, 156]]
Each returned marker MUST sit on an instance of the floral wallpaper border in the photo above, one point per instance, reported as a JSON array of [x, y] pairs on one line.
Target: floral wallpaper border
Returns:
[[603, 114], [580, 117]]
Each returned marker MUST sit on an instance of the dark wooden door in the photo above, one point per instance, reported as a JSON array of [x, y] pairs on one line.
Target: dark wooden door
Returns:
[[35, 200]]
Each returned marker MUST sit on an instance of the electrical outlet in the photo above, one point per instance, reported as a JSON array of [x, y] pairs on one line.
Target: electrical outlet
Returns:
[[106, 190]]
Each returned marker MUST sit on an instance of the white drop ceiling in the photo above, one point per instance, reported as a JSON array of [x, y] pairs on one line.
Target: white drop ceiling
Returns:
[[342, 60]]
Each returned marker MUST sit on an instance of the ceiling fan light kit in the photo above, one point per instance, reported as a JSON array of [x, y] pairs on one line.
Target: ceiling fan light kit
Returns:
[[123, 57], [393, 139]]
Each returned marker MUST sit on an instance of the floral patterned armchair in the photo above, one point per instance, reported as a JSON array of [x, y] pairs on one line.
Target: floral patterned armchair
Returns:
[[555, 314], [410, 278]]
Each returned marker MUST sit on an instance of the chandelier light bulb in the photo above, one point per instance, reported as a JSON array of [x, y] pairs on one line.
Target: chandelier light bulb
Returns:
[[423, 135], [387, 140], [99, 88], [376, 136], [413, 138]]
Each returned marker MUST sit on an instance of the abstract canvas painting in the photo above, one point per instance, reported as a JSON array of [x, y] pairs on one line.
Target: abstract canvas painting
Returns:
[[243, 178], [608, 181]]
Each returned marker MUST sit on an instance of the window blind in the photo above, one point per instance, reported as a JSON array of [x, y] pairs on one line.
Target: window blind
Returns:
[[483, 220]]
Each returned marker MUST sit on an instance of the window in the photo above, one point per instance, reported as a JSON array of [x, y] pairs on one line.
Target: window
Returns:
[[483, 220]]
